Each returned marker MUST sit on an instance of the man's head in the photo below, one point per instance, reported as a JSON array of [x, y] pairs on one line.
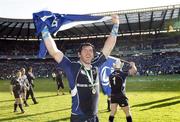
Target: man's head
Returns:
[[86, 53], [30, 69], [18, 73], [117, 64], [23, 71]]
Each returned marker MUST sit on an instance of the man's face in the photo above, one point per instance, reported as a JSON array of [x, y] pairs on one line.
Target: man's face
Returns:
[[18, 74], [30, 70], [23, 71], [86, 55]]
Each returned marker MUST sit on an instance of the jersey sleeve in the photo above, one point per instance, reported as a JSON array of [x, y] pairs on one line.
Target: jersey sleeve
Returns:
[[66, 66], [99, 60], [124, 75]]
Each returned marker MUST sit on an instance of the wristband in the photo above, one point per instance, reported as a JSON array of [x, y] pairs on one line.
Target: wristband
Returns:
[[114, 31], [45, 33]]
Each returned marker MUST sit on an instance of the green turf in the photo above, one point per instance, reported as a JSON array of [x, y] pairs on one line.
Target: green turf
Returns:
[[152, 99]]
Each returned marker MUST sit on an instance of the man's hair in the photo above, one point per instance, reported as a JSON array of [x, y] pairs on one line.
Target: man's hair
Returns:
[[84, 45], [22, 69], [16, 72], [29, 68]]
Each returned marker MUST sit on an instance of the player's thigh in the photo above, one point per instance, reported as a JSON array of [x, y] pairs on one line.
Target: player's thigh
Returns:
[[114, 108], [126, 110]]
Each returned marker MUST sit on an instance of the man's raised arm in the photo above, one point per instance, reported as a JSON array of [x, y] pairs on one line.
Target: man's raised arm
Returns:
[[51, 45], [111, 40]]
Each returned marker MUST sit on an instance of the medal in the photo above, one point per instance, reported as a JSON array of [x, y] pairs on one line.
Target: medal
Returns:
[[93, 90], [90, 79]]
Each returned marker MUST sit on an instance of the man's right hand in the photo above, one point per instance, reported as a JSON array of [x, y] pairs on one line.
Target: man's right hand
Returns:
[[133, 69], [115, 19]]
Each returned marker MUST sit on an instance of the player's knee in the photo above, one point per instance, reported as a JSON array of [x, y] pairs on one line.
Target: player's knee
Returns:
[[126, 110], [113, 111]]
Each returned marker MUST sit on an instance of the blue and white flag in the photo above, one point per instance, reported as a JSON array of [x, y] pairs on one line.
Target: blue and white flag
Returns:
[[104, 71], [59, 22], [42, 49]]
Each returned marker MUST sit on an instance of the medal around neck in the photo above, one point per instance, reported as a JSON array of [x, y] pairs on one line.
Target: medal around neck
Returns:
[[93, 90]]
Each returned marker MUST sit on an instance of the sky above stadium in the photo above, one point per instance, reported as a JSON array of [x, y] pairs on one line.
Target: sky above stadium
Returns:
[[23, 9]]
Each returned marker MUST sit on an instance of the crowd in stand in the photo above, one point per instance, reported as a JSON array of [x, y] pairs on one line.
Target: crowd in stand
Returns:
[[146, 65], [15, 48], [126, 44], [156, 64], [42, 68], [149, 64]]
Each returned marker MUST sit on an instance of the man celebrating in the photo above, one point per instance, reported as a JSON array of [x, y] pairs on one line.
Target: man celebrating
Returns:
[[83, 75]]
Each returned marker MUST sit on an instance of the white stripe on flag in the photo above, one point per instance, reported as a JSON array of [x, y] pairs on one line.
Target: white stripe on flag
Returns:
[[75, 23]]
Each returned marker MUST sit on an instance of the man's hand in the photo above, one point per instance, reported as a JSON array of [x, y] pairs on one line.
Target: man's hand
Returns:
[[115, 19], [132, 64], [133, 69]]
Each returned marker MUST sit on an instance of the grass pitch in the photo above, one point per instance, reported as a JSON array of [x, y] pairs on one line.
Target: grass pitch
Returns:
[[152, 99]]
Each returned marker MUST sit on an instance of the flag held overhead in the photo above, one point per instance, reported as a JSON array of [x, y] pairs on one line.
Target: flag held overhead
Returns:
[[42, 50], [58, 22]]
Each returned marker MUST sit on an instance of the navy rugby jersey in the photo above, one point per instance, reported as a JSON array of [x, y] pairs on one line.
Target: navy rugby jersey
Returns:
[[84, 92], [17, 85], [118, 82]]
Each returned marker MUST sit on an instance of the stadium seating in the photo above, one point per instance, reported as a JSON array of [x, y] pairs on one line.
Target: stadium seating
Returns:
[[153, 56]]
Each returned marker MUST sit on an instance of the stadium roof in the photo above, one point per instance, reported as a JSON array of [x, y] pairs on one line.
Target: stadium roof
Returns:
[[132, 22]]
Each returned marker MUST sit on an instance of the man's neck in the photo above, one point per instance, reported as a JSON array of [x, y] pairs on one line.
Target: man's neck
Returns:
[[87, 66]]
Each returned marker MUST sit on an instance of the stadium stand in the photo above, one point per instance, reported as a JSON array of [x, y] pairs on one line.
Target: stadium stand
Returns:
[[144, 38], [155, 62], [42, 68]]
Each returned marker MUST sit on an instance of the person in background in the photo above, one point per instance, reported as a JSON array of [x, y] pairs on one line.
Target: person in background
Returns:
[[59, 82], [25, 84], [31, 77], [16, 90], [118, 94], [53, 76]]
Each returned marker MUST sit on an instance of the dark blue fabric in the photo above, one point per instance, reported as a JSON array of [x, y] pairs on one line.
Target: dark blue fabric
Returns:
[[118, 82], [54, 20], [104, 71], [74, 73], [42, 49]]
